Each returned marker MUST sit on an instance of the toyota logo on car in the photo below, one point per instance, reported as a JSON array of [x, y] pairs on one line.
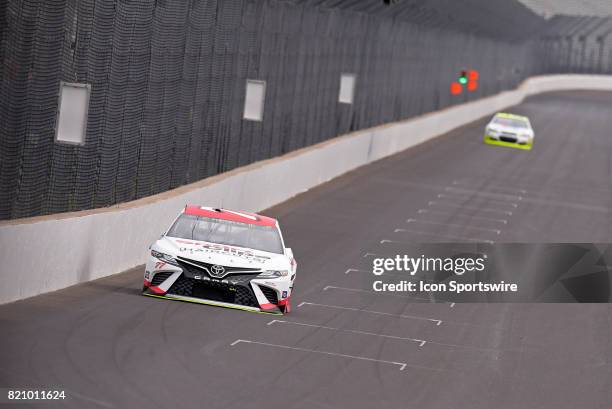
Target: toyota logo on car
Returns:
[[217, 271]]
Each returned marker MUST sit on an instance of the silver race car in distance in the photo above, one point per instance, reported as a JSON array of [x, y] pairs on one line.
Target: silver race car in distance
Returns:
[[509, 130]]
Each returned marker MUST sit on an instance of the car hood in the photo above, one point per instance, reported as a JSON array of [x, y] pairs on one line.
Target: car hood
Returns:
[[502, 128], [222, 254]]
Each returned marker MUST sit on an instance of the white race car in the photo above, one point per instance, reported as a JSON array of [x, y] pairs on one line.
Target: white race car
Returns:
[[509, 130], [224, 258]]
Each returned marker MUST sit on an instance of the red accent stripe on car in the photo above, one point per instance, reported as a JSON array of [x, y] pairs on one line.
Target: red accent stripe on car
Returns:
[[157, 290], [267, 306], [231, 215]]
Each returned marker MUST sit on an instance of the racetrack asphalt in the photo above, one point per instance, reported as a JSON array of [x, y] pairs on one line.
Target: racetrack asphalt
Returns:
[[343, 346]]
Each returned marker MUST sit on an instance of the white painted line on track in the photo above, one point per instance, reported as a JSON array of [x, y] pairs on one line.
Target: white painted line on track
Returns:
[[456, 215], [402, 365], [467, 226], [355, 269], [480, 209], [360, 290], [421, 342], [467, 198], [414, 317], [370, 255], [499, 188], [441, 236], [484, 194]]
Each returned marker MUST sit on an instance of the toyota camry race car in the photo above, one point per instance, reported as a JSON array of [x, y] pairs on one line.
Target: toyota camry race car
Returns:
[[224, 258], [509, 130]]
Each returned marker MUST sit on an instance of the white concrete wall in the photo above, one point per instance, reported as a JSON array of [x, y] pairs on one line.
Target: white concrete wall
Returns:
[[47, 253]]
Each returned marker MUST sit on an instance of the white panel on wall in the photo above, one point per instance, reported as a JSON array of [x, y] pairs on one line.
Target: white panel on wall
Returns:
[[254, 100], [347, 88], [72, 113]]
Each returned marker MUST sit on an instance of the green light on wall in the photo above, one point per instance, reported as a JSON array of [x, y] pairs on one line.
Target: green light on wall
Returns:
[[463, 79]]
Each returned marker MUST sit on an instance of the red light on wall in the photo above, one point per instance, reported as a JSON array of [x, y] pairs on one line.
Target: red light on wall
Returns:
[[455, 88], [472, 85], [473, 75]]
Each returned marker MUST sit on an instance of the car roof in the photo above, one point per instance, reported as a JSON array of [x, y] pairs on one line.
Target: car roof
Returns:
[[231, 215], [511, 116]]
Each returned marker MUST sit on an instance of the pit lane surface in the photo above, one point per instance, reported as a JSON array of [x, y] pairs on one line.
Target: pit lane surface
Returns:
[[343, 346]]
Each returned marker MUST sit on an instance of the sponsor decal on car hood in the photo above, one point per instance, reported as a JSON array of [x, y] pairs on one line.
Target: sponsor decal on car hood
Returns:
[[222, 254], [502, 128]]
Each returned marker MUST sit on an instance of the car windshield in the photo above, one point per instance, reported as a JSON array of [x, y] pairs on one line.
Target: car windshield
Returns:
[[265, 238], [511, 122]]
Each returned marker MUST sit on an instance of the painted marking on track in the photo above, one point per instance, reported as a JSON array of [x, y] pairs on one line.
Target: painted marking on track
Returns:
[[355, 269], [507, 189], [485, 194], [421, 342], [467, 198], [438, 322], [414, 317], [360, 290], [441, 236], [402, 365], [467, 226], [480, 209], [456, 215], [370, 255]]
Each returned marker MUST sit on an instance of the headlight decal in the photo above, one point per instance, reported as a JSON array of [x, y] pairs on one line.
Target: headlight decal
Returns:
[[274, 273], [164, 257]]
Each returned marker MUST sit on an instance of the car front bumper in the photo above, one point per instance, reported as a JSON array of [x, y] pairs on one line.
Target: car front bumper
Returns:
[[518, 142], [245, 291]]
